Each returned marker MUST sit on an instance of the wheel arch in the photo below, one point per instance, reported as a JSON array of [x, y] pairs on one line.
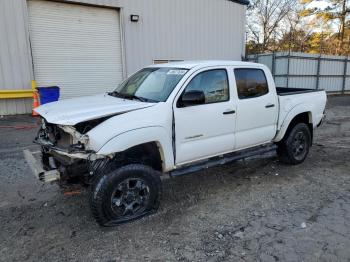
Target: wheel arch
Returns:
[[152, 141], [292, 119], [148, 154]]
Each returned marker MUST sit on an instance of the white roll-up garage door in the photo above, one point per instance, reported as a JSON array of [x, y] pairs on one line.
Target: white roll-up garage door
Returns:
[[75, 47]]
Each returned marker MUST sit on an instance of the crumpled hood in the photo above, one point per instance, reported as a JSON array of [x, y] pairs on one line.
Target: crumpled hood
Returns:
[[77, 110]]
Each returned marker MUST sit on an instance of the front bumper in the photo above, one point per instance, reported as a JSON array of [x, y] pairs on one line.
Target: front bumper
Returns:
[[64, 152], [59, 164], [63, 155], [37, 168]]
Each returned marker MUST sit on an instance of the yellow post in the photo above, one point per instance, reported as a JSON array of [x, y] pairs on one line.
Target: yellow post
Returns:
[[33, 85]]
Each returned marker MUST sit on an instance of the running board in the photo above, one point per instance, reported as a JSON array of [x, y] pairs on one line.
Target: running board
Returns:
[[223, 159]]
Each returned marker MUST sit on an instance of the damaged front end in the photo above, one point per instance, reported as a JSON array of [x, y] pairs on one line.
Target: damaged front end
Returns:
[[65, 154]]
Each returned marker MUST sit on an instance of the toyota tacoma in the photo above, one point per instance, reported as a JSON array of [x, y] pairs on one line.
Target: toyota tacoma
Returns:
[[174, 119]]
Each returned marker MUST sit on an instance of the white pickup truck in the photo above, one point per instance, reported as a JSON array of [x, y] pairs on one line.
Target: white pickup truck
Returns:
[[174, 119]]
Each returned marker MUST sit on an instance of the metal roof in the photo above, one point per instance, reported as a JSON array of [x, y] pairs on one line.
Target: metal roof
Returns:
[[203, 63]]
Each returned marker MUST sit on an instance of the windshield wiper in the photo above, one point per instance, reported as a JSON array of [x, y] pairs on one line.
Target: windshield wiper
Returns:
[[129, 96], [142, 99]]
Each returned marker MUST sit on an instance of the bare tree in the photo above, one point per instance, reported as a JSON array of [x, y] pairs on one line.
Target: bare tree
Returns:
[[334, 11], [265, 18]]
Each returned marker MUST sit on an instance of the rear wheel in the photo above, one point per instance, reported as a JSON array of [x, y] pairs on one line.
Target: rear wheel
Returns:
[[125, 194], [294, 148]]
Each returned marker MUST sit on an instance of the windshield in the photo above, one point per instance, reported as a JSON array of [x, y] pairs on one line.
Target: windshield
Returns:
[[150, 84]]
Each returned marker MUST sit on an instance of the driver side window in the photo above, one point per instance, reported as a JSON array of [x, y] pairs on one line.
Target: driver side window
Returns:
[[213, 84]]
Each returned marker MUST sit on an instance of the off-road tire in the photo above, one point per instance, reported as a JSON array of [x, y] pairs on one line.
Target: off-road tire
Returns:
[[105, 185], [287, 147]]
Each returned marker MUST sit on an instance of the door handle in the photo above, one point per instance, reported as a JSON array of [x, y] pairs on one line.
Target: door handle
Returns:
[[269, 105], [229, 112]]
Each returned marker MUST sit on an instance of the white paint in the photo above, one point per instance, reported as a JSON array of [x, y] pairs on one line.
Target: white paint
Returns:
[[256, 124], [200, 131], [76, 110], [312, 103]]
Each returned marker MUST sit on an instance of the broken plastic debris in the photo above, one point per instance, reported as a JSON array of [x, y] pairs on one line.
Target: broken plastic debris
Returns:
[[303, 225]]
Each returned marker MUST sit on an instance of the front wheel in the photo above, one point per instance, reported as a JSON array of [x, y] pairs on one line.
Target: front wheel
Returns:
[[125, 194], [294, 148]]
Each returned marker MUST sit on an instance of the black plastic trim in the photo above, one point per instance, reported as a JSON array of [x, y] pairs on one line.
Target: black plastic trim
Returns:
[[285, 91], [242, 2], [224, 159], [229, 112]]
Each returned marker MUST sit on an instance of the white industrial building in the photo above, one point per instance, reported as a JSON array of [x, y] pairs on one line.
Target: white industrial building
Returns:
[[88, 46]]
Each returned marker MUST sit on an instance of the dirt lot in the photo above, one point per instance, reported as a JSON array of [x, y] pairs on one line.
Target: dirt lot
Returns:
[[253, 210]]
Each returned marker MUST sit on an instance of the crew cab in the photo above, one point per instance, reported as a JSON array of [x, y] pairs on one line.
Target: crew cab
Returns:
[[174, 119]]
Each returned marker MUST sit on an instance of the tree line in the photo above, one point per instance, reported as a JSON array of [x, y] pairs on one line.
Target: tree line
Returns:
[[309, 26]]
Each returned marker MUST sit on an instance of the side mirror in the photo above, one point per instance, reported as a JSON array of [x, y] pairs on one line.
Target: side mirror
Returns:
[[193, 97]]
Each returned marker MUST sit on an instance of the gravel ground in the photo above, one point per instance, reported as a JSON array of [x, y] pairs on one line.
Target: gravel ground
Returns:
[[253, 210]]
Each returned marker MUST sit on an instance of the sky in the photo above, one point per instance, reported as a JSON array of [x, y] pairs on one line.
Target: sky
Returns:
[[320, 4], [323, 4]]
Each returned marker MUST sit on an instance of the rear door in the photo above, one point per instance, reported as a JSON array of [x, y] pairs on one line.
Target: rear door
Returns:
[[257, 107], [206, 129]]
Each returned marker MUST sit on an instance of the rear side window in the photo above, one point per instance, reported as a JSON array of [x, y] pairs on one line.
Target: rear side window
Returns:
[[250, 83]]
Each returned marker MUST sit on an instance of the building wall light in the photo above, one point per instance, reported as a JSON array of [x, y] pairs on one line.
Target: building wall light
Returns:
[[134, 18]]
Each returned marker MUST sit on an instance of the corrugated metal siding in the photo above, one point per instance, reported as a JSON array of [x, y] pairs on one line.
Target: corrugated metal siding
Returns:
[[304, 68], [15, 59], [281, 66], [168, 29], [75, 47], [179, 30], [347, 85], [302, 82], [184, 29], [266, 60]]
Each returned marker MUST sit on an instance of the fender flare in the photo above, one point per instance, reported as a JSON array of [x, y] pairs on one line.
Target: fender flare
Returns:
[[139, 136], [297, 110]]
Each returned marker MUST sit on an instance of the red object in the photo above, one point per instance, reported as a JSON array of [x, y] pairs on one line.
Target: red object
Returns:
[[35, 103], [72, 193]]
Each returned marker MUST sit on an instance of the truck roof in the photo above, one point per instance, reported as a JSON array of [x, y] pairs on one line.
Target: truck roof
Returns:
[[204, 63]]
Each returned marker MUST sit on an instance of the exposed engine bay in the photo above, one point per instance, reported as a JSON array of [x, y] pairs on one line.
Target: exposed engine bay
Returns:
[[65, 149]]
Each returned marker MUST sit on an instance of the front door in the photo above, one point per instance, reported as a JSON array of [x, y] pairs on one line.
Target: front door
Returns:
[[205, 129]]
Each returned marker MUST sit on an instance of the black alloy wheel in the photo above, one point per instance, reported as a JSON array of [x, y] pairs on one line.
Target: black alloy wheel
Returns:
[[299, 145], [128, 193], [295, 146], [130, 198]]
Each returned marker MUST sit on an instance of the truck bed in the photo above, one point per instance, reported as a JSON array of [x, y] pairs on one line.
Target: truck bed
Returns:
[[307, 100], [285, 91]]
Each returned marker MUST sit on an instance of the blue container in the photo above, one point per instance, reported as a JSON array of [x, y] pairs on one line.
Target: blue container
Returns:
[[48, 94]]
